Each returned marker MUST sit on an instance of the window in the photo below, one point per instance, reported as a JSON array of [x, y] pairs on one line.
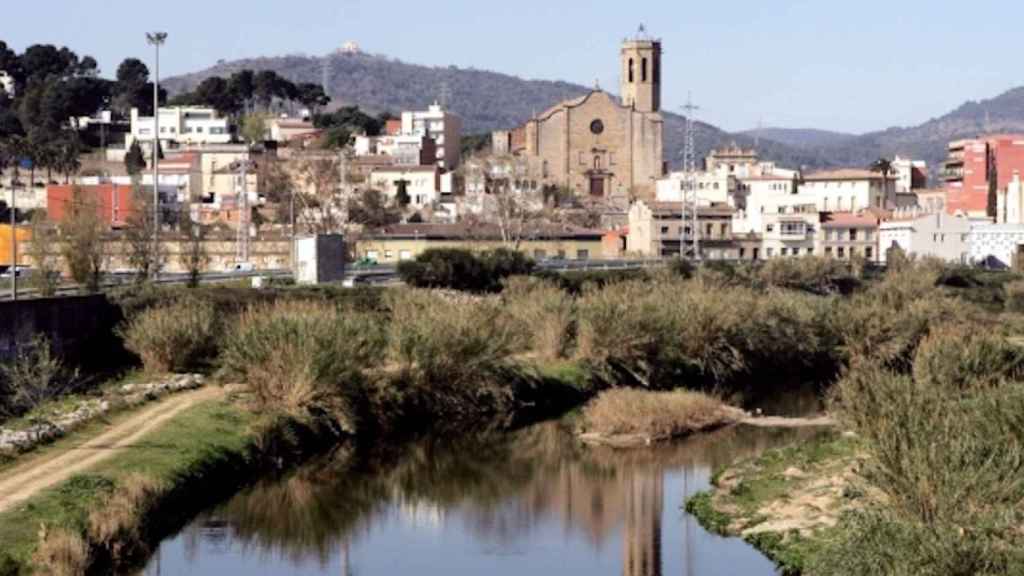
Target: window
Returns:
[[757, 253], [643, 69], [710, 228], [597, 163], [388, 255], [716, 185], [199, 129], [583, 160], [372, 255], [631, 66], [810, 251], [583, 254], [853, 235], [868, 235], [770, 252], [770, 228], [869, 253], [664, 230], [784, 252], [145, 131], [828, 251], [743, 253], [404, 255], [841, 252], [725, 229], [163, 129], [561, 254]]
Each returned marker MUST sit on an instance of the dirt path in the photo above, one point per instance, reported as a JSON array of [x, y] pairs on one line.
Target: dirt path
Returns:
[[780, 422], [26, 480]]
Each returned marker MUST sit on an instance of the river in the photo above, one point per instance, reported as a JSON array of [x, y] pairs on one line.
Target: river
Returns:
[[534, 502]]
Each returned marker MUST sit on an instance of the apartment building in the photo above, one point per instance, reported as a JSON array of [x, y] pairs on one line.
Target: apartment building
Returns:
[[909, 175], [846, 235], [850, 190], [422, 183], [790, 231], [443, 127], [917, 233], [180, 126], [976, 169], [663, 229]]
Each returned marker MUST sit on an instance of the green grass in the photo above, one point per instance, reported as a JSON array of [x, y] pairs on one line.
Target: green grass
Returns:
[[184, 449], [701, 507]]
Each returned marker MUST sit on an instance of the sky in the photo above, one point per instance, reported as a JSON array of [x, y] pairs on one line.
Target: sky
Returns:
[[845, 65]]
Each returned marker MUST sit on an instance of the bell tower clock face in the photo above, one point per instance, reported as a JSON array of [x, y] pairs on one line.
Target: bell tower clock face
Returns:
[[597, 127]]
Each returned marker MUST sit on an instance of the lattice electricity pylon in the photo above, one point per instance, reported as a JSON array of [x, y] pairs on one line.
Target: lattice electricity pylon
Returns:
[[690, 180]]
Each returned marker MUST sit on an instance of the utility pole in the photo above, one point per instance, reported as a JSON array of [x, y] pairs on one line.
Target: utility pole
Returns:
[[14, 243], [243, 216], [690, 179], [156, 39]]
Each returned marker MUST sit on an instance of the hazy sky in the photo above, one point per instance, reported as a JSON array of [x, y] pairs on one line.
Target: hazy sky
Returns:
[[851, 65]]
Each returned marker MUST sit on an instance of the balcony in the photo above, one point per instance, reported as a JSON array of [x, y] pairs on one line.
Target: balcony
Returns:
[[951, 174]]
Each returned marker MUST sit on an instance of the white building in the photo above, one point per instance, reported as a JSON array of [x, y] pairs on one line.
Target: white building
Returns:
[[440, 125], [1010, 202], [850, 190], [7, 84], [996, 245], [180, 126], [938, 235], [790, 230], [406, 150], [422, 183], [908, 174], [712, 188]]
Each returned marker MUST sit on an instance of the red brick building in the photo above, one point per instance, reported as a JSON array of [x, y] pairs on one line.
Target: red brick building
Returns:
[[976, 169], [112, 202]]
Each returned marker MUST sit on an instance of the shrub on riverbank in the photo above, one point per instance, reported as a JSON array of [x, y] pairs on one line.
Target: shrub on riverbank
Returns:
[[671, 333], [544, 313], [61, 553], [451, 355], [300, 357], [176, 337], [955, 509], [657, 415]]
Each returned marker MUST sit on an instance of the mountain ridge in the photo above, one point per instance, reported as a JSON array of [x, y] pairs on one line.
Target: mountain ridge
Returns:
[[488, 101]]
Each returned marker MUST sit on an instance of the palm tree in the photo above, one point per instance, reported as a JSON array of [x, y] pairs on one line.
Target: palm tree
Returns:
[[883, 166]]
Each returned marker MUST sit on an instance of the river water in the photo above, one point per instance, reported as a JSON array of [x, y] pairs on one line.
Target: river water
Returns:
[[534, 502]]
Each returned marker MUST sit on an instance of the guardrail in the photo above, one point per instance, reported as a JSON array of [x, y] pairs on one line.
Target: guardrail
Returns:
[[116, 280]]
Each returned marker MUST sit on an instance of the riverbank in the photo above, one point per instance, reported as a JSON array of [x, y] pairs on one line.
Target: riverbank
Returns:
[[111, 513], [787, 502]]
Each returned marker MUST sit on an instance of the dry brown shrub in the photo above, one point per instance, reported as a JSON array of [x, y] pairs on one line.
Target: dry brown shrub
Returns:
[[544, 314], [115, 525], [656, 414], [61, 553]]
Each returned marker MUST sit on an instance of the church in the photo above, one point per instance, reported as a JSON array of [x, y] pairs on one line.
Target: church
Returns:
[[598, 145]]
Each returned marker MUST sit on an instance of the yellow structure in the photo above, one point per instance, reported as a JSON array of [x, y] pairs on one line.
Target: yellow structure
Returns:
[[407, 241], [23, 234]]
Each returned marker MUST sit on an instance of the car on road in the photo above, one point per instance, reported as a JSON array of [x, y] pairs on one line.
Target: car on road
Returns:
[[242, 267]]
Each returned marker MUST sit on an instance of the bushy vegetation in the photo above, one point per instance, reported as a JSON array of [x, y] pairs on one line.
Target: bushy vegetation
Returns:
[[945, 439], [452, 356], [179, 336], [34, 376], [304, 357], [464, 270], [653, 414], [672, 333], [545, 314]]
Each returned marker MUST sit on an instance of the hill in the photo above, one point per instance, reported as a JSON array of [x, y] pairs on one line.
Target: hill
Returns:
[[804, 138], [485, 100]]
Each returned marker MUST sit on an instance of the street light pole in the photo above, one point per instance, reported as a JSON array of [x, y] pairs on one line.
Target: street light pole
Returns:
[[156, 39], [14, 241]]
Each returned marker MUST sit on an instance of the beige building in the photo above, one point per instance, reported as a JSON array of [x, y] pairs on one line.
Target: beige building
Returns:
[[846, 235], [407, 241], [657, 228], [596, 145], [790, 231]]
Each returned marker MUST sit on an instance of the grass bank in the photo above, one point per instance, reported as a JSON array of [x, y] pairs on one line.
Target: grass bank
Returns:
[[112, 514]]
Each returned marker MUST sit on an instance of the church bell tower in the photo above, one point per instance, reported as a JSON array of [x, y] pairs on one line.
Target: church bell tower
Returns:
[[641, 72]]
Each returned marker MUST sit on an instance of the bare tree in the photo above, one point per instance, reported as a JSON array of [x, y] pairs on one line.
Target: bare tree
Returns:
[[84, 246], [193, 256], [144, 256], [34, 377], [44, 252], [319, 201]]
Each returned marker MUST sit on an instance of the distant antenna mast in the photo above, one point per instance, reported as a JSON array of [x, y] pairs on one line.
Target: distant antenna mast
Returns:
[[445, 94], [325, 74], [690, 171], [757, 135]]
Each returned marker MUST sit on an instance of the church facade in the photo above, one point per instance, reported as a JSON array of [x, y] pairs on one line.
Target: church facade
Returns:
[[598, 145]]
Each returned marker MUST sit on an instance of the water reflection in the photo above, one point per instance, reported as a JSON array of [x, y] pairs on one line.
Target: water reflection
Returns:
[[534, 502]]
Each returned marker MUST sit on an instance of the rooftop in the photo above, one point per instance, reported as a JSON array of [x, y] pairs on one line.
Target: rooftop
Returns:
[[844, 174], [464, 231], [849, 220]]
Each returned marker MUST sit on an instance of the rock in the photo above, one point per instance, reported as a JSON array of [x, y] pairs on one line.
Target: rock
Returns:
[[793, 473]]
